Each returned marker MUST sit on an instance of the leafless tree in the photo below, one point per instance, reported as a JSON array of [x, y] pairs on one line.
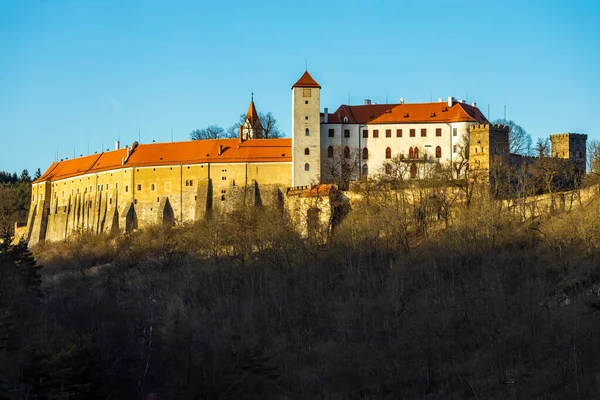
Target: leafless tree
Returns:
[[519, 141], [593, 156], [210, 132], [542, 147], [342, 167]]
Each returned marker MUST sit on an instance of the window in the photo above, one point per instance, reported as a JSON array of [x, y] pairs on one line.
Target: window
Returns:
[[365, 133], [305, 101], [330, 152], [152, 187], [388, 169], [307, 167], [438, 131], [411, 153], [365, 154], [438, 152], [346, 152], [331, 132], [139, 187], [126, 188], [388, 133], [306, 117], [416, 152], [423, 132], [117, 185], [454, 149], [365, 169], [306, 151], [388, 153], [398, 132], [346, 133], [412, 133], [376, 133], [307, 132], [454, 132]]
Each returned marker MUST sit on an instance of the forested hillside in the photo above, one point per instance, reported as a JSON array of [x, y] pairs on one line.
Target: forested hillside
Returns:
[[404, 301]]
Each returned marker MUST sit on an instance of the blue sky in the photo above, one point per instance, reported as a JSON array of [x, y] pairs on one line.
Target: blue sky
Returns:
[[79, 73]]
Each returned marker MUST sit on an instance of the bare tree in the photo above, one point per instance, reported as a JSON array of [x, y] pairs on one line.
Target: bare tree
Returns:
[[519, 141], [270, 126], [210, 132], [593, 157], [542, 147], [341, 166]]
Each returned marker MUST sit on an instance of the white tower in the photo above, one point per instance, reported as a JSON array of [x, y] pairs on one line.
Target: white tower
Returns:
[[306, 131]]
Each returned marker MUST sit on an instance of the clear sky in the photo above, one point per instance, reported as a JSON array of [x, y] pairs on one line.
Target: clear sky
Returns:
[[83, 73]]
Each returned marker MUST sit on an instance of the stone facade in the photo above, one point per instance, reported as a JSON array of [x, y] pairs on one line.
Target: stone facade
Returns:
[[571, 146], [125, 199], [488, 144], [306, 144]]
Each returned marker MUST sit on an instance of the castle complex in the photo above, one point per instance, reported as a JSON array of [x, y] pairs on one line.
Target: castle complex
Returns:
[[180, 182]]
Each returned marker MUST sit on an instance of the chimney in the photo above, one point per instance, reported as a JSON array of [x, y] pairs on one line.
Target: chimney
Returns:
[[401, 100], [463, 101], [325, 115], [117, 145], [367, 102], [440, 100], [474, 104], [450, 101], [220, 149]]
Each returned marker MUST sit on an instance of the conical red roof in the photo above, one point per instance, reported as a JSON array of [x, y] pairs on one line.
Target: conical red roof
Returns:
[[306, 81]]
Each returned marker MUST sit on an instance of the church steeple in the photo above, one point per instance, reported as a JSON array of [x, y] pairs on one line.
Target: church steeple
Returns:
[[252, 128]]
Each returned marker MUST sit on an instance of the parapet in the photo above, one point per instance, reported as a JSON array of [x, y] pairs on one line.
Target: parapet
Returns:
[[490, 126], [579, 136]]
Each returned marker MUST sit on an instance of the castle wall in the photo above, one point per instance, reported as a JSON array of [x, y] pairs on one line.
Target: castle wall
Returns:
[[135, 197]]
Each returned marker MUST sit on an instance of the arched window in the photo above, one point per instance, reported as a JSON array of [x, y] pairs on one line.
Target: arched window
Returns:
[[388, 169], [330, 152], [307, 132], [438, 152], [388, 153], [346, 152], [307, 167], [411, 154], [413, 171], [365, 169], [416, 152], [365, 154], [306, 152]]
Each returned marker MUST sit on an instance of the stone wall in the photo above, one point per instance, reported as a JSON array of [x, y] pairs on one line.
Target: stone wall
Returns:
[[131, 198]]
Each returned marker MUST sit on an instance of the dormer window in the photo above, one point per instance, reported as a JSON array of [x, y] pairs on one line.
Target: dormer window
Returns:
[[345, 119]]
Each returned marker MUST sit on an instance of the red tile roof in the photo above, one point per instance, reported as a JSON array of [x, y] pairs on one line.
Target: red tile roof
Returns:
[[190, 152], [407, 113], [306, 81]]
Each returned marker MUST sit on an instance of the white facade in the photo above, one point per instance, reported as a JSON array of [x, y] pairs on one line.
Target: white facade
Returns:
[[377, 146]]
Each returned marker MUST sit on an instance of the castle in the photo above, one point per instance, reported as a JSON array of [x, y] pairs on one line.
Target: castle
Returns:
[[175, 183]]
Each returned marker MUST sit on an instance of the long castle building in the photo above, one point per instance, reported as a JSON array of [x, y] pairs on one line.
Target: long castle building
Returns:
[[180, 182]]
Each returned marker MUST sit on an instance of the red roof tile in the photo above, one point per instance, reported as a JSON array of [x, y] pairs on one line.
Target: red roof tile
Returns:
[[407, 113], [306, 81], [190, 152]]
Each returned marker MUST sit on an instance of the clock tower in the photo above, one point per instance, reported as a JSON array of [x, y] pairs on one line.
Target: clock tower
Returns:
[[306, 131]]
